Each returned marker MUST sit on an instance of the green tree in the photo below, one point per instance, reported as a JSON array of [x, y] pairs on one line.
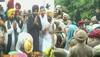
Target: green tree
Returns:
[[86, 7]]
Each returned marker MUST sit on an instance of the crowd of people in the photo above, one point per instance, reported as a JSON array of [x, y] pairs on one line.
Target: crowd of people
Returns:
[[44, 33]]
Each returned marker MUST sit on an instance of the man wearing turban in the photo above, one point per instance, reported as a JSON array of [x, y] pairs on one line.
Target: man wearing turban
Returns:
[[34, 26], [12, 31], [25, 43], [96, 35], [10, 4]]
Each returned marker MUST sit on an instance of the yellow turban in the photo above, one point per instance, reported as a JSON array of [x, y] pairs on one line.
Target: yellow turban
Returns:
[[50, 13], [49, 52], [10, 12], [28, 46]]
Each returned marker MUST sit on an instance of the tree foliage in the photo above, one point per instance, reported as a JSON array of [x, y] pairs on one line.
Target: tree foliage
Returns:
[[86, 7]]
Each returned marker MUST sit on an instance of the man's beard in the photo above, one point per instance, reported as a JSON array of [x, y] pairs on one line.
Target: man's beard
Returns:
[[35, 15], [11, 19]]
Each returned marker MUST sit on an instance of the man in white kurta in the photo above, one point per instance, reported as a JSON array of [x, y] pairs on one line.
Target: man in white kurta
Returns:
[[22, 37], [12, 31], [45, 36]]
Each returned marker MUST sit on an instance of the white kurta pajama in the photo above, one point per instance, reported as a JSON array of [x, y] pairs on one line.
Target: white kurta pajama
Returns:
[[21, 40], [44, 21], [45, 39], [24, 28], [11, 31]]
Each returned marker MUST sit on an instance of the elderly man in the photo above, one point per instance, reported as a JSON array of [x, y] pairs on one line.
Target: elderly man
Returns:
[[45, 36], [25, 43], [81, 49]]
